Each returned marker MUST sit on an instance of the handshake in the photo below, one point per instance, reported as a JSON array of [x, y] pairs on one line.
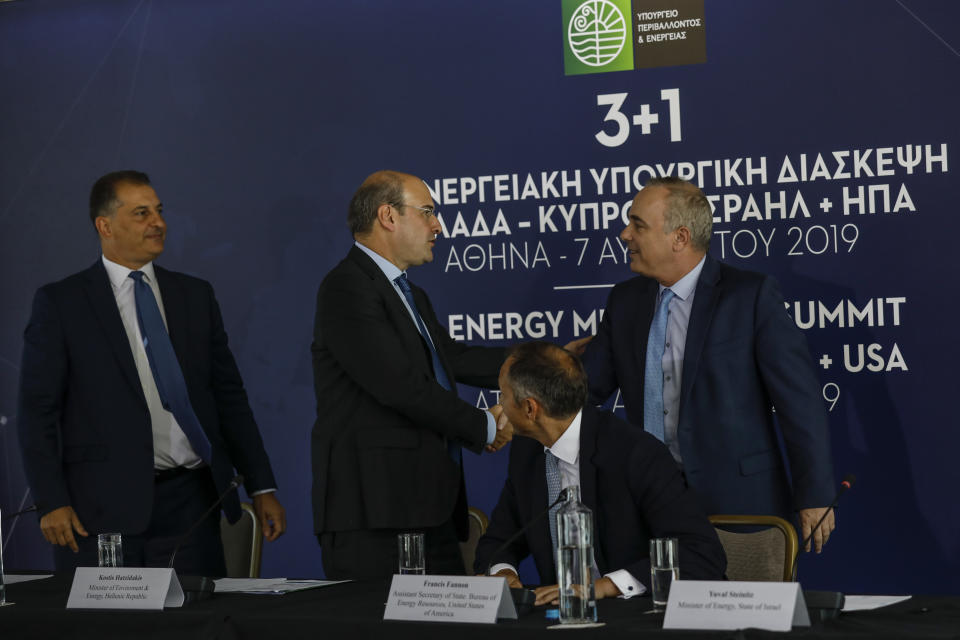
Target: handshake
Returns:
[[504, 428]]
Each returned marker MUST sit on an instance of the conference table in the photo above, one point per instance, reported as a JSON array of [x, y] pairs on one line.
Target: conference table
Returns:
[[355, 610]]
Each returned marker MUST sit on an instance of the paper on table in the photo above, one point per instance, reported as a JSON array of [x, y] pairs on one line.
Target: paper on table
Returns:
[[270, 586], [866, 603], [13, 578]]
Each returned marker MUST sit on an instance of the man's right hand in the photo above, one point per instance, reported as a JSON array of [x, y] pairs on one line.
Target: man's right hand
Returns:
[[513, 580], [58, 527], [504, 429]]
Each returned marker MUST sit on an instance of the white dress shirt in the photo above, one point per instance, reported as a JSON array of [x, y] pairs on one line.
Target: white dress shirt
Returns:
[[171, 448], [567, 451]]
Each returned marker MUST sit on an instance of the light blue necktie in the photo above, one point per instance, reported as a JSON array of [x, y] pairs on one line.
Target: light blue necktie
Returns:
[[166, 369], [438, 371], [653, 371], [553, 490]]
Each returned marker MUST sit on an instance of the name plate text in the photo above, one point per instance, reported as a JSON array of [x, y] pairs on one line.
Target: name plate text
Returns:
[[449, 599], [124, 588], [705, 604]]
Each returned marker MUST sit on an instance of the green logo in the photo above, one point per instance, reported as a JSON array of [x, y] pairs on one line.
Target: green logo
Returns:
[[597, 36]]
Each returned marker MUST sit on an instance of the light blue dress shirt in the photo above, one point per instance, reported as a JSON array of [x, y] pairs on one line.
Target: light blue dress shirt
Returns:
[[677, 322]]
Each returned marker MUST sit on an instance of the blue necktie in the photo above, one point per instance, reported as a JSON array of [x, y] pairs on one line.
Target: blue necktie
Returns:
[[166, 370], [438, 371], [553, 490], [653, 371]]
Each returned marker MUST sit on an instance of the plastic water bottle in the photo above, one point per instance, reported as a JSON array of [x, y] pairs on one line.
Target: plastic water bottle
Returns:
[[575, 560]]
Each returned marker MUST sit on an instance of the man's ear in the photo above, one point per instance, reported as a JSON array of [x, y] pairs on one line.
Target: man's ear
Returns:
[[387, 216], [681, 238], [102, 223], [531, 409]]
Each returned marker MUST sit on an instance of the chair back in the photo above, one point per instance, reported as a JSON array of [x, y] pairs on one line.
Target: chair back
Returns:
[[468, 548], [242, 544], [762, 550]]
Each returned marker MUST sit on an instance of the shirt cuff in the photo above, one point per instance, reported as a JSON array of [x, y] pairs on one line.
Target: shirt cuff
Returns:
[[501, 566], [628, 585], [262, 491], [491, 427]]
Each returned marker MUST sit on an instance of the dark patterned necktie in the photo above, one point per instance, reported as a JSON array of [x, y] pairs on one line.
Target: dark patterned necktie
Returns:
[[167, 374]]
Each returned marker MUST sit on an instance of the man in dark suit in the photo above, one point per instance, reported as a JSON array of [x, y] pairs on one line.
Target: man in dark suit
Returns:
[[703, 353], [386, 445], [120, 433], [626, 477]]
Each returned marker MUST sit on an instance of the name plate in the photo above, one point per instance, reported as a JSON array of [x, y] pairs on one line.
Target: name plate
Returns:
[[704, 604], [449, 599], [124, 588]]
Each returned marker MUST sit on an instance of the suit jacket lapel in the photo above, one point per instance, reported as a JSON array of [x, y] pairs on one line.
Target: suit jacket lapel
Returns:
[[589, 466], [100, 293], [174, 308], [422, 304], [701, 315], [399, 317], [646, 304]]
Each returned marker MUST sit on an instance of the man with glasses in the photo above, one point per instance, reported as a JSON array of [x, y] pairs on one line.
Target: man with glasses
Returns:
[[386, 446]]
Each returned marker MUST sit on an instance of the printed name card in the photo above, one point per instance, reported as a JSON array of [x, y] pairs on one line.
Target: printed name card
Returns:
[[124, 588], [449, 599], [703, 604]]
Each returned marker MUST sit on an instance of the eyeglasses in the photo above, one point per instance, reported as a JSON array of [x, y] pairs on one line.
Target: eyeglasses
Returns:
[[428, 212]]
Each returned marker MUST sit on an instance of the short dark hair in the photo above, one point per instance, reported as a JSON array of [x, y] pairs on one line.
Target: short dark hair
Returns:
[[383, 187], [103, 195], [551, 375]]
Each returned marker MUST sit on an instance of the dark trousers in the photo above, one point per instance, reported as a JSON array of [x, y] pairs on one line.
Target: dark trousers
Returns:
[[367, 554], [178, 502]]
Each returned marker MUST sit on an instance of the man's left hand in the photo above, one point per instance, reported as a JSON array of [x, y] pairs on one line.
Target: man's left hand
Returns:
[[549, 594], [809, 519], [271, 514]]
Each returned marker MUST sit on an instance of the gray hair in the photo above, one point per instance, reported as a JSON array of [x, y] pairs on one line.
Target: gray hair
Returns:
[[686, 207], [549, 374]]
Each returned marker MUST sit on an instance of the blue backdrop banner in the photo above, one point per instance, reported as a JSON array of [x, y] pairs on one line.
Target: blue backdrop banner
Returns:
[[823, 133]]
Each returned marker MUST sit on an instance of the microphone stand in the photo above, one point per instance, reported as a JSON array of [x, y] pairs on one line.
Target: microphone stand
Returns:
[[823, 605], [3, 582], [14, 517], [17, 514], [196, 588], [524, 598]]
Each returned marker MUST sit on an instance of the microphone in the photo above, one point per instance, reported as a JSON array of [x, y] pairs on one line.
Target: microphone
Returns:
[[823, 605], [236, 482], [562, 497], [524, 598], [17, 514], [200, 587], [848, 481]]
